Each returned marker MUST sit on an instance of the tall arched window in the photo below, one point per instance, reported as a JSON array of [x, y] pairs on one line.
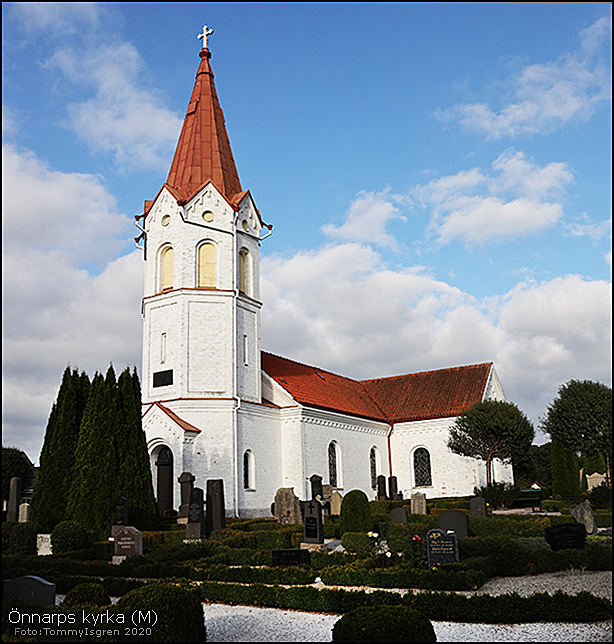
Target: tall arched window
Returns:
[[244, 272], [333, 464], [166, 268], [373, 466], [207, 265], [249, 482], [422, 467]]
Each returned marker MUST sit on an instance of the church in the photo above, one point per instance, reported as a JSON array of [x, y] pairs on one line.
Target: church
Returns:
[[217, 406]]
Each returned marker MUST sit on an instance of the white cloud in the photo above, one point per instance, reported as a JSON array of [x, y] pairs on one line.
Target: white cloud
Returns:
[[548, 95], [54, 310], [367, 218], [122, 118], [57, 19], [517, 198]]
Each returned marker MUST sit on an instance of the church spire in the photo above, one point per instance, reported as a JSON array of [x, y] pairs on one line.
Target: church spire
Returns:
[[203, 151]]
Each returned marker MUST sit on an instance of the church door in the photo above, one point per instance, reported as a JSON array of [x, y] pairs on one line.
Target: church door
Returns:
[[164, 463]]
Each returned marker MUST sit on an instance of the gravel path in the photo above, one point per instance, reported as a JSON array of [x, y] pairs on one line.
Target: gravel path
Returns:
[[249, 624]]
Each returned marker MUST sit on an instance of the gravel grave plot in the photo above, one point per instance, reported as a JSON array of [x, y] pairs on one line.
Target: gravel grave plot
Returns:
[[249, 624]]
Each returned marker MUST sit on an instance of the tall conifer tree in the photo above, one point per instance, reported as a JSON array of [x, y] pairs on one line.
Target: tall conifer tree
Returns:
[[49, 500]]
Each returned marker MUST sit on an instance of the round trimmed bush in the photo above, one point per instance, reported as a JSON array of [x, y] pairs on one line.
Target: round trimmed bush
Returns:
[[89, 593], [384, 624], [179, 613], [68, 536], [355, 515], [22, 539]]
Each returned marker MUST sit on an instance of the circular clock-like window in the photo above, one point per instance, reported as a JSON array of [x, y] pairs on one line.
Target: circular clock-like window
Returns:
[[208, 215], [166, 220]]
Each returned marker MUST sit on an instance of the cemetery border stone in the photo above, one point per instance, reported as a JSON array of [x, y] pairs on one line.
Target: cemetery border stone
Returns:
[[34, 590], [442, 548], [455, 520]]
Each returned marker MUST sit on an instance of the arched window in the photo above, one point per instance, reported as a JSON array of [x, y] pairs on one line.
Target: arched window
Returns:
[[333, 464], [207, 265], [373, 466], [244, 272], [166, 268], [248, 471], [422, 467]]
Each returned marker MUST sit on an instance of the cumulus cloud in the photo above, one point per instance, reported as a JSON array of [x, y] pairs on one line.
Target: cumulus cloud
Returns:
[[367, 218], [546, 96], [518, 197], [57, 227]]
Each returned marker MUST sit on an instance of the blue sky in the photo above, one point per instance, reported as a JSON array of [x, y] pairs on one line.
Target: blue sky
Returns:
[[438, 177]]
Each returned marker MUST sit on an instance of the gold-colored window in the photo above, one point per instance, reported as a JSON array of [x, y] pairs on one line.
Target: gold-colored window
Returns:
[[244, 271], [166, 268], [207, 265]]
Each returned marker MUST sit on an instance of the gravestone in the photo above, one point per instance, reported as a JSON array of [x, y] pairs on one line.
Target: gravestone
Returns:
[[287, 506], [393, 489], [34, 590], [583, 513], [594, 480], [477, 507], [24, 513], [456, 521], [186, 485], [418, 503], [12, 513], [312, 529], [335, 503], [128, 543], [291, 557], [566, 536], [316, 488], [442, 548], [398, 516], [216, 508], [195, 527], [327, 492], [381, 488], [120, 515], [43, 544]]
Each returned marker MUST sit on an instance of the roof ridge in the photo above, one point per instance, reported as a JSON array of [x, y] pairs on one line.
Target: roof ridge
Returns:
[[427, 371]]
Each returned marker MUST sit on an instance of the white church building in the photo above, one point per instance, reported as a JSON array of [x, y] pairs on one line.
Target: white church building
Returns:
[[217, 406]]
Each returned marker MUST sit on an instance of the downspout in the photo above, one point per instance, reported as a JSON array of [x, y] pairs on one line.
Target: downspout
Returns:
[[235, 411], [390, 450]]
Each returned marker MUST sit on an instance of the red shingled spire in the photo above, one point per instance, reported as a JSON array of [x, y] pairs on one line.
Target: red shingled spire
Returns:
[[203, 152]]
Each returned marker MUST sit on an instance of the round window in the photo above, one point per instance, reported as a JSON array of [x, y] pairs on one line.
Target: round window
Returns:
[[166, 220], [208, 215]]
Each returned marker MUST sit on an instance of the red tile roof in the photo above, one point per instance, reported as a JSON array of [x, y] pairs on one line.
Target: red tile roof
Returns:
[[203, 151], [188, 427], [420, 396]]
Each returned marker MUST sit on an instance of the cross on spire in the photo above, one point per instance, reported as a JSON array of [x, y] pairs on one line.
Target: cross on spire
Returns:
[[207, 31]]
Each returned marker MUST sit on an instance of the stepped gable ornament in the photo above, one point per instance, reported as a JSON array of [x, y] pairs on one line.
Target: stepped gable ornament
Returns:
[[207, 31]]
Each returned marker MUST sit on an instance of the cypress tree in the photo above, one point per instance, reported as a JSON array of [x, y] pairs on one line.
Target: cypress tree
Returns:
[[53, 485], [565, 471]]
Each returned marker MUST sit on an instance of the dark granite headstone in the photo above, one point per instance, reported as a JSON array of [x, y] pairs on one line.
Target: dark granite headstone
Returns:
[[477, 507], [196, 516], [393, 488], [312, 529], [316, 487], [455, 520], [12, 513], [128, 542], [186, 485], [381, 488], [441, 548], [398, 516], [566, 536], [34, 590], [216, 507], [291, 557]]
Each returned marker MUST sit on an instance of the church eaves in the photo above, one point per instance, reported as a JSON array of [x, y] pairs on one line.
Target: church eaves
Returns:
[[203, 151]]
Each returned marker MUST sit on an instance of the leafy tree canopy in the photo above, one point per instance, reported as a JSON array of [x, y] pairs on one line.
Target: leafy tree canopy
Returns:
[[492, 429]]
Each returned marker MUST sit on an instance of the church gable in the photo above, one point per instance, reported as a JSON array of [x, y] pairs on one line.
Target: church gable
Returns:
[[158, 413]]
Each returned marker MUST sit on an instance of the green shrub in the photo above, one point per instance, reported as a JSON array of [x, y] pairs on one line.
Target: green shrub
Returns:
[[177, 608], [601, 497], [68, 536], [384, 624], [355, 512], [22, 539], [357, 543], [90, 593]]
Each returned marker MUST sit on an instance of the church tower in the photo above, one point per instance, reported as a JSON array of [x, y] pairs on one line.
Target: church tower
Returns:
[[201, 304]]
